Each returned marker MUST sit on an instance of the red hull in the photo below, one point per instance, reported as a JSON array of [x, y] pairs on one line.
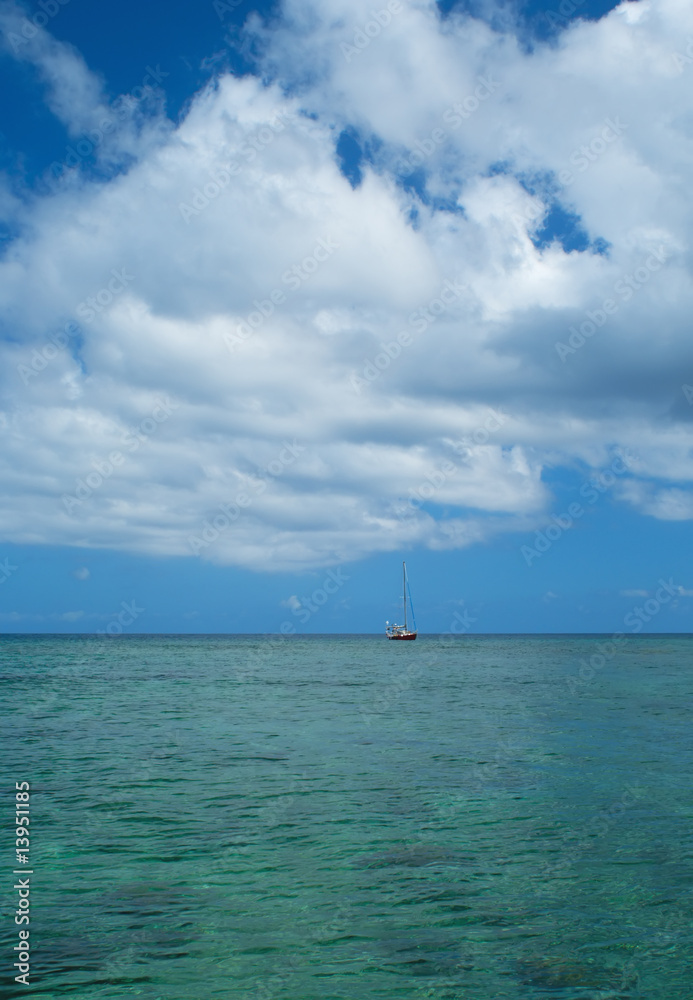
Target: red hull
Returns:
[[409, 635]]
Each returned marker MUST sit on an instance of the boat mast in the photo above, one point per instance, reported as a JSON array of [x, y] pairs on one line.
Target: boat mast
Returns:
[[404, 592]]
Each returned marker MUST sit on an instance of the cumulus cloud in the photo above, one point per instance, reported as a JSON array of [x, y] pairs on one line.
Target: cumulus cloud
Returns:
[[228, 349], [291, 602]]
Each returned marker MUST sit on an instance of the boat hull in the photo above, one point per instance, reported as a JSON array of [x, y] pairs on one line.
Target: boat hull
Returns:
[[407, 636]]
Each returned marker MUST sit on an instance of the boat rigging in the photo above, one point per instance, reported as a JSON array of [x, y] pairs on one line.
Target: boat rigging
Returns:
[[403, 631]]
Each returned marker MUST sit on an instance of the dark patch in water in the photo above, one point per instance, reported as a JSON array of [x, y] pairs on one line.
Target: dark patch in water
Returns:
[[66, 956], [432, 957], [562, 974], [144, 898]]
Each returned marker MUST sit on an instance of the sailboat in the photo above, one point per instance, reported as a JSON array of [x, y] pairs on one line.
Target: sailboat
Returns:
[[402, 631]]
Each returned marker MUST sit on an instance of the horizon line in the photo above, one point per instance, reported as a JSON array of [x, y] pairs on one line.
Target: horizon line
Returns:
[[315, 635]]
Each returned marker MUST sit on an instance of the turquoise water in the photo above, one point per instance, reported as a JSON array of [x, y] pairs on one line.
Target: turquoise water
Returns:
[[282, 819]]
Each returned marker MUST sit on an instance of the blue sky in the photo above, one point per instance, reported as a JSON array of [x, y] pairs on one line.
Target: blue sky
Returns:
[[293, 291]]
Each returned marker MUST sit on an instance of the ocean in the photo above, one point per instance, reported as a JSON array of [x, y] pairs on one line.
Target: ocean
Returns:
[[270, 818]]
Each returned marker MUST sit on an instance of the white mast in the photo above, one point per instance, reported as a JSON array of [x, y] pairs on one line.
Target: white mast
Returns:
[[404, 592]]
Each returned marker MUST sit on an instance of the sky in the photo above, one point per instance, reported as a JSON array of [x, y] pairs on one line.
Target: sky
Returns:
[[294, 291]]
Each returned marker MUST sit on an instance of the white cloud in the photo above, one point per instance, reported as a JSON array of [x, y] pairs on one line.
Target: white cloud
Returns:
[[74, 94], [202, 284], [13, 617], [69, 616], [670, 504], [113, 131]]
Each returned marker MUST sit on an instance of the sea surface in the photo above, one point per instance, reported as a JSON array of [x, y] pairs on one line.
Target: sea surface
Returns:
[[270, 818]]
